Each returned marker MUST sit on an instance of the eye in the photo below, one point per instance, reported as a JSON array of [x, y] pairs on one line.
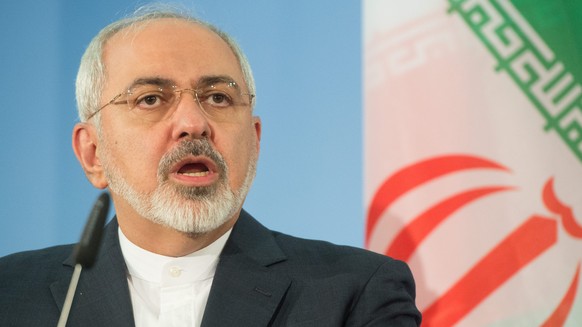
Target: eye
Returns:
[[216, 99], [150, 99]]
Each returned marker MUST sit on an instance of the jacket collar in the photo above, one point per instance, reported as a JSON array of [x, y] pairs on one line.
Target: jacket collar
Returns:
[[102, 296], [245, 292]]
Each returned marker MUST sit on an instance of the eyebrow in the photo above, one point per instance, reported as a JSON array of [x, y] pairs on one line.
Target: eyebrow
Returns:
[[217, 79], [158, 81], [202, 81]]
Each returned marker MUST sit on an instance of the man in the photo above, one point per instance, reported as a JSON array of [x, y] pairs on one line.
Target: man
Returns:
[[165, 103]]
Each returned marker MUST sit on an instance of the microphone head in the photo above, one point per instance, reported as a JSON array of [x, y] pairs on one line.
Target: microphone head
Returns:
[[86, 250]]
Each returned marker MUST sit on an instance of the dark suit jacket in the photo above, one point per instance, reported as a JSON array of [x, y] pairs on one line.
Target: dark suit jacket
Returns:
[[263, 278]]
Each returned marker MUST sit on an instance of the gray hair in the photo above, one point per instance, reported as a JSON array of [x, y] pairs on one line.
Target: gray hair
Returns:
[[92, 70]]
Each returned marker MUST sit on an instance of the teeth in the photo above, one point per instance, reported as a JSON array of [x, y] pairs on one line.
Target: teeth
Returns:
[[196, 174]]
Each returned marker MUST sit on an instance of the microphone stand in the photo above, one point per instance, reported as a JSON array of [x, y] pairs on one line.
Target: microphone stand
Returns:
[[86, 250], [70, 295]]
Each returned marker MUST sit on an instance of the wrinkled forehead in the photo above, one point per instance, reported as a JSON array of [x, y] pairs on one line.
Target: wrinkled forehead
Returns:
[[171, 48]]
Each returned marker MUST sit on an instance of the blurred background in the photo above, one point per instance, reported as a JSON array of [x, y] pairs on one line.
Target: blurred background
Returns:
[[306, 57]]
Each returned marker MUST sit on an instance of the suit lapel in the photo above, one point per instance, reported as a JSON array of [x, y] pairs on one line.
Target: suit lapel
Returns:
[[245, 291], [102, 296]]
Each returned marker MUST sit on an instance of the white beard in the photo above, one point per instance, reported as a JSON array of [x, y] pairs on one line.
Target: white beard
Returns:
[[188, 210]]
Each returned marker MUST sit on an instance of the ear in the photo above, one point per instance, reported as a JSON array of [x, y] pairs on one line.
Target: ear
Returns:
[[85, 142], [258, 125]]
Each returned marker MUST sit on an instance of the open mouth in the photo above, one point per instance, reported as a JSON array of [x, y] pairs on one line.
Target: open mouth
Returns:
[[196, 169]]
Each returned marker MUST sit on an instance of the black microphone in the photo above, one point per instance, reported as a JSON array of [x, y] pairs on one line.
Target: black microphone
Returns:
[[86, 250]]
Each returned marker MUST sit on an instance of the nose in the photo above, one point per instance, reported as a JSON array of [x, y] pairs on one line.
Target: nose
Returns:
[[189, 120]]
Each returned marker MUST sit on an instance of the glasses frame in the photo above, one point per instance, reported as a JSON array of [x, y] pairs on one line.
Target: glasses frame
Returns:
[[175, 89]]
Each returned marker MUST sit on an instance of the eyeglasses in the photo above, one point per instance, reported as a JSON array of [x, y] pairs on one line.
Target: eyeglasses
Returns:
[[155, 99]]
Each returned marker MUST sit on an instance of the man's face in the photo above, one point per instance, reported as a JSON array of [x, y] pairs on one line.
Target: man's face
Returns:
[[189, 169]]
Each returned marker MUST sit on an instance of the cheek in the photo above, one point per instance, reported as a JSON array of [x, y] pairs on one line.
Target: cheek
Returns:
[[135, 156], [238, 153]]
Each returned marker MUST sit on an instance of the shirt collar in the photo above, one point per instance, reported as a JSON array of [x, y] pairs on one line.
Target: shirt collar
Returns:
[[155, 268]]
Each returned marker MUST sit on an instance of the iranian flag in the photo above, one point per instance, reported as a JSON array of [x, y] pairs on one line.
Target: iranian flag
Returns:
[[473, 155]]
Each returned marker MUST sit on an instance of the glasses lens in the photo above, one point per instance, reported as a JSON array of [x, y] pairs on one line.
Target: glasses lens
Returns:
[[151, 102], [222, 100]]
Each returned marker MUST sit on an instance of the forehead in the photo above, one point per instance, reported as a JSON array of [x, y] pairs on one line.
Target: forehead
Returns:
[[171, 48]]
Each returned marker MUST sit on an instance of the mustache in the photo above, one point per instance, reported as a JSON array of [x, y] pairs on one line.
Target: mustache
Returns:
[[199, 147]]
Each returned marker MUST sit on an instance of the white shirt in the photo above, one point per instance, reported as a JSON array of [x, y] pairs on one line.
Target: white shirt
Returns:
[[169, 291]]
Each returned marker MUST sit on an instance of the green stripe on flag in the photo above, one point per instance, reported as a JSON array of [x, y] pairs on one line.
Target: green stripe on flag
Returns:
[[536, 44]]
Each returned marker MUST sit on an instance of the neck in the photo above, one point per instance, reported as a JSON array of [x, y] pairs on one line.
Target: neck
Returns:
[[163, 240]]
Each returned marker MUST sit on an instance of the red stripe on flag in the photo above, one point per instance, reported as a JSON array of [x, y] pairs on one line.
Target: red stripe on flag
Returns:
[[410, 237], [416, 174], [524, 244], [558, 318]]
